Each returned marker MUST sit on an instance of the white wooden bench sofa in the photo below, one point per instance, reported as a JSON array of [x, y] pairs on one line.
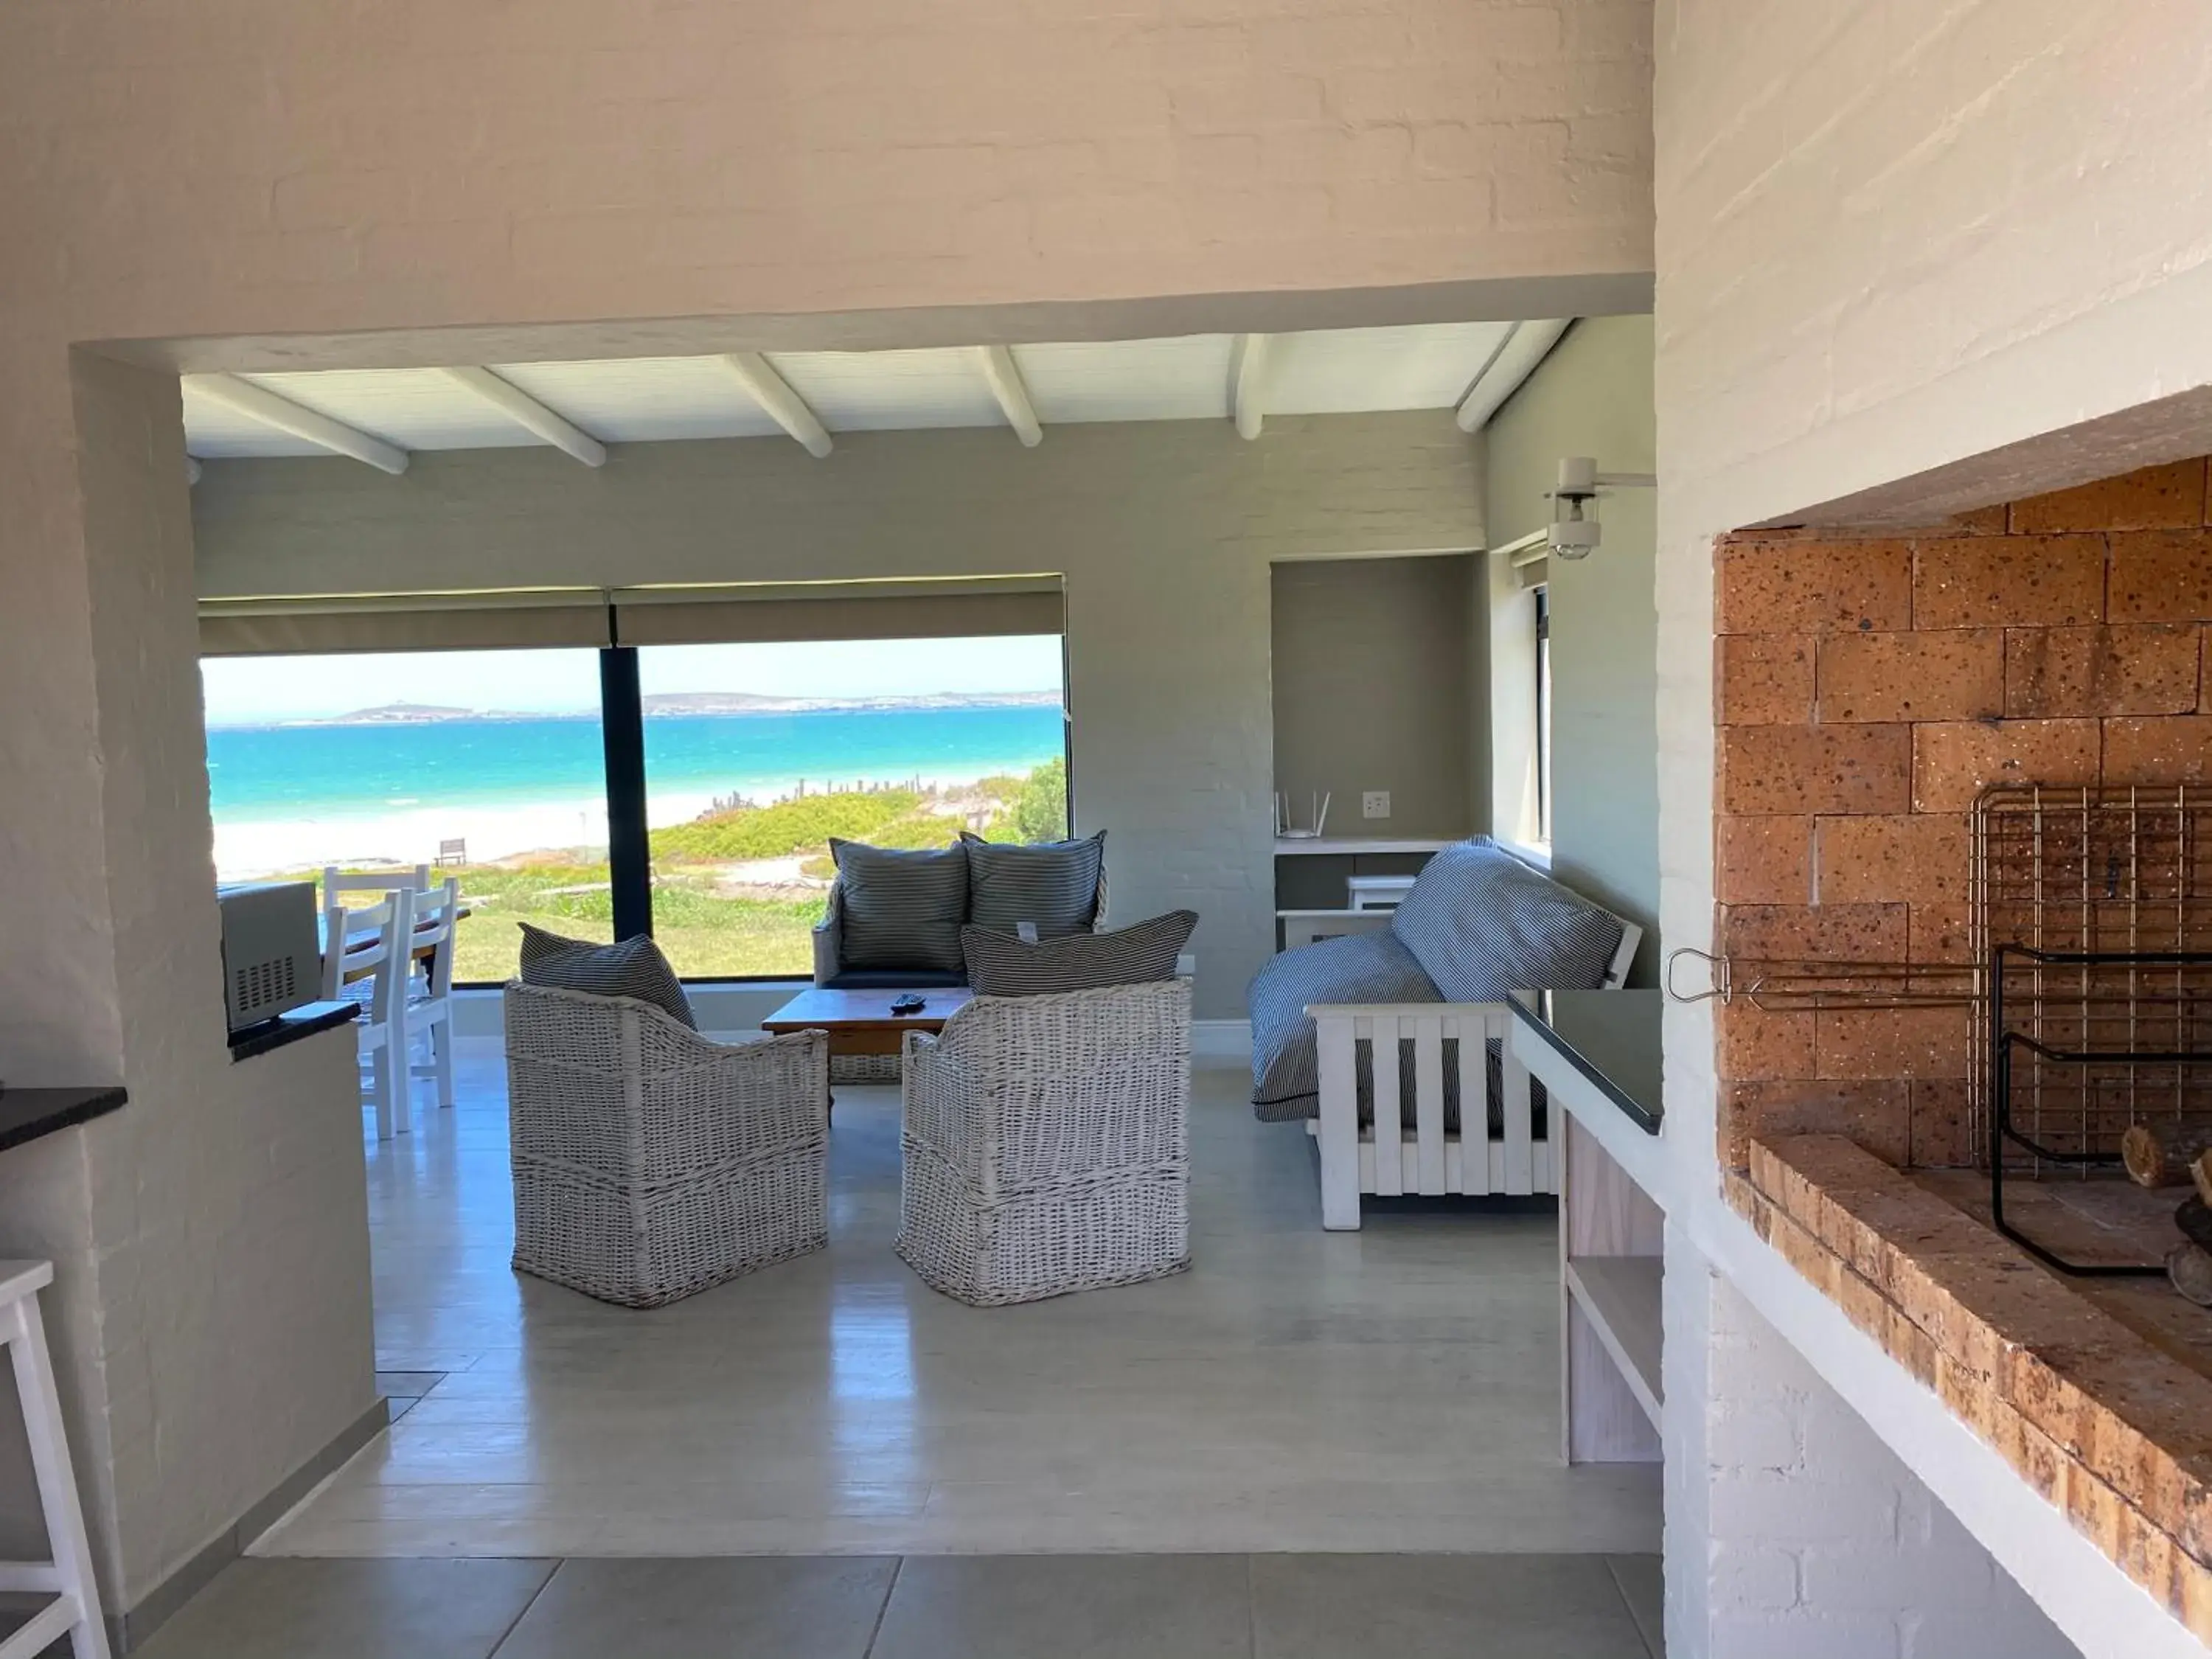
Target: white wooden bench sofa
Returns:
[[1425, 982]]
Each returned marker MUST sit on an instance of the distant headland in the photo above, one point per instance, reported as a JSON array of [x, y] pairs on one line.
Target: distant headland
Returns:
[[694, 704]]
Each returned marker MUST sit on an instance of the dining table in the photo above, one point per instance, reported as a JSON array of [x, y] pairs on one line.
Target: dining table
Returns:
[[423, 950]]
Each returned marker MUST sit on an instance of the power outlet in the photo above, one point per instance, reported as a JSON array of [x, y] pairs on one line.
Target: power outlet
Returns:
[[1375, 804]]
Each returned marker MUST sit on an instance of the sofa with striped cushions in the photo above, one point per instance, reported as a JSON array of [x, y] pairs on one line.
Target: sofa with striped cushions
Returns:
[[895, 914]]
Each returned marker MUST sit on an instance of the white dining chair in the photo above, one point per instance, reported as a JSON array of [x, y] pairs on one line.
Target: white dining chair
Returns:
[[374, 973], [436, 912]]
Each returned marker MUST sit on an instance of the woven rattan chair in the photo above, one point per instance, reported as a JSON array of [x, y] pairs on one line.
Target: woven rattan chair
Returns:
[[651, 1162], [1047, 1143]]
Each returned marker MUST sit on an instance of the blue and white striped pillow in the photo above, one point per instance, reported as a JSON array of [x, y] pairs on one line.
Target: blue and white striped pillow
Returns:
[[1482, 923], [1000, 965], [631, 967], [1051, 885], [900, 907]]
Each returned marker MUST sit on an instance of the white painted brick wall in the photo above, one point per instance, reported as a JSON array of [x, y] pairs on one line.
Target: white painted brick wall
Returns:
[[1818, 1543]]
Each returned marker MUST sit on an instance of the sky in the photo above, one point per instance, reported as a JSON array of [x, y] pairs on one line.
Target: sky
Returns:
[[261, 690]]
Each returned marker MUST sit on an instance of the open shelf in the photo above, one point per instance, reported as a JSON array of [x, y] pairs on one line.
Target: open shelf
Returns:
[[1619, 1296]]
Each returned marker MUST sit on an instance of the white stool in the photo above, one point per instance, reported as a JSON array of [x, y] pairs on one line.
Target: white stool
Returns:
[[1375, 892], [74, 1610]]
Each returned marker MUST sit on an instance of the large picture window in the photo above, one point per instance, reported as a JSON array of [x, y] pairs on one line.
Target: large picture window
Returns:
[[756, 755], [488, 763], [515, 770]]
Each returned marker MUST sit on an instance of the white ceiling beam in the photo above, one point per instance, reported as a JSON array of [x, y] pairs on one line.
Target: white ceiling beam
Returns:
[[1525, 345], [192, 471], [783, 406], [1004, 376], [532, 415], [258, 404], [1248, 363]]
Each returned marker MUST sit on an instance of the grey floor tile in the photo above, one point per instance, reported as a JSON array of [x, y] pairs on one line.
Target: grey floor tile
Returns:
[[1069, 1606], [1427, 1606], [408, 1385], [1643, 1583], [391, 1609], [746, 1608]]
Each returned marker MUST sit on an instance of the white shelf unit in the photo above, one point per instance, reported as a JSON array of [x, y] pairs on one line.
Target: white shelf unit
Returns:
[[1611, 1237], [1352, 846], [1619, 1295]]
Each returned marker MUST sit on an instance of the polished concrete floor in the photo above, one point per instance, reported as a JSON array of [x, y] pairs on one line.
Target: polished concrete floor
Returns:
[[1389, 1390], [1115, 1607]]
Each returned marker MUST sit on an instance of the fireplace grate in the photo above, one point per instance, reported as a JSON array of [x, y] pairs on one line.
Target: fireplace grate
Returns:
[[2088, 975], [2092, 932]]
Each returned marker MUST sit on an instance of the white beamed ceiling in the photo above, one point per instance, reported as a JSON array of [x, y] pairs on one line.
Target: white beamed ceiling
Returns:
[[645, 400]]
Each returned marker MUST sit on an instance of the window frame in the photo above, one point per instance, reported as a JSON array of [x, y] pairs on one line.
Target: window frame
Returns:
[[1543, 726], [629, 860]]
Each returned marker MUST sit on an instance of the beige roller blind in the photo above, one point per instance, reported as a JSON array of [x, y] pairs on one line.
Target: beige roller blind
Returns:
[[854, 610], [404, 621], [594, 618]]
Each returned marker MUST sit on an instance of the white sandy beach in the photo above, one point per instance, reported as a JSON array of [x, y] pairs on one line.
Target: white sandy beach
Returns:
[[410, 834]]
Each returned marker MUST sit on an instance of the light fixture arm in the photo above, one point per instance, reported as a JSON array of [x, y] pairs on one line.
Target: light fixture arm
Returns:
[[1574, 532]]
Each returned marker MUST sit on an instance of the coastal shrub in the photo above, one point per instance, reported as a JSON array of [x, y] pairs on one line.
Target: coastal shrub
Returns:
[[788, 826], [1037, 808]]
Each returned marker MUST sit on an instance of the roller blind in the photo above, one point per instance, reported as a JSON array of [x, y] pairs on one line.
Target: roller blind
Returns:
[[594, 617], [867, 610], [404, 622]]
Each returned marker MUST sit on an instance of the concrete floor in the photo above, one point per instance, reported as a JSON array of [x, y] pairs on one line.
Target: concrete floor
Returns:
[[1115, 1607], [1390, 1390]]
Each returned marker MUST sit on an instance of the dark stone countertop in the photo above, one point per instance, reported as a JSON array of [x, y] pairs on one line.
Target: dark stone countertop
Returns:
[[1612, 1037], [301, 1022], [28, 1113]]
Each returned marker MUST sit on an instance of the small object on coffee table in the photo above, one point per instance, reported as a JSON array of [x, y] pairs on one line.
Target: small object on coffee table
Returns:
[[2161, 1154], [909, 1004]]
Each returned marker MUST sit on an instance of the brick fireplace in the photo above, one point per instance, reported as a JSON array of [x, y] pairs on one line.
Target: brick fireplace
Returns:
[[1868, 687]]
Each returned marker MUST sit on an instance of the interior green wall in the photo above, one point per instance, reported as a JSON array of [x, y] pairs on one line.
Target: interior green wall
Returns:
[[1593, 396]]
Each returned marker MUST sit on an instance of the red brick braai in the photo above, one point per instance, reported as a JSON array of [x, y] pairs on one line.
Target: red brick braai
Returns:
[[1867, 689]]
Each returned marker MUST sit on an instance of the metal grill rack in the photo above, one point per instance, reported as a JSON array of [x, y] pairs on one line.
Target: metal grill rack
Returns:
[[2089, 977], [2093, 927]]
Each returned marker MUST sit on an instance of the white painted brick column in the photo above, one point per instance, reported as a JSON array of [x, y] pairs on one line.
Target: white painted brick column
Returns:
[[1791, 1529]]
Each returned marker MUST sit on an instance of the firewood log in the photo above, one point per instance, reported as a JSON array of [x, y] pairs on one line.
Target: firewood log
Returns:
[[2194, 1217], [2200, 1171], [2160, 1154], [2189, 1267]]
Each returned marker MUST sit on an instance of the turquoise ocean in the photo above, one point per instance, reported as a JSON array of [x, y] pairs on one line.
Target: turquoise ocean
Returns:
[[312, 792]]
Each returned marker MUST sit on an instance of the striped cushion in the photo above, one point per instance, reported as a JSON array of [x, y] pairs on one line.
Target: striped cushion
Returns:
[[1000, 965], [1482, 923], [631, 968], [899, 907], [1353, 967], [1052, 884]]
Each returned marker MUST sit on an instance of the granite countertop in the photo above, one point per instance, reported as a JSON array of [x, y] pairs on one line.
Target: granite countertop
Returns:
[[28, 1113], [1612, 1037], [288, 1028]]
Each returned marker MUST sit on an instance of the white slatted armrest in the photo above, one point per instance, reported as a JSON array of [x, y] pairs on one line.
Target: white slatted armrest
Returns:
[[1404, 1010], [1409, 1147]]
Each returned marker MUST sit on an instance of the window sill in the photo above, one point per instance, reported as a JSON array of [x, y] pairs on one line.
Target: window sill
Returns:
[[1537, 853]]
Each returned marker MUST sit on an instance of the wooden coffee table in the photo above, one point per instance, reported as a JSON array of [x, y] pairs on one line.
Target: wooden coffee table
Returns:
[[861, 1022]]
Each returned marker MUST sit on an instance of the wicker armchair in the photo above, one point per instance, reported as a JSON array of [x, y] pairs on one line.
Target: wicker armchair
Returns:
[[651, 1162], [1046, 1144]]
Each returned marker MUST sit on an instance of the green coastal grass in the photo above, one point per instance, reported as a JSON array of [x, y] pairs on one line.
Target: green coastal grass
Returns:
[[710, 934]]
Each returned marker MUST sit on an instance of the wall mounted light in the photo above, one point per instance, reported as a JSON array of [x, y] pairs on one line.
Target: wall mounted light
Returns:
[[1574, 531]]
